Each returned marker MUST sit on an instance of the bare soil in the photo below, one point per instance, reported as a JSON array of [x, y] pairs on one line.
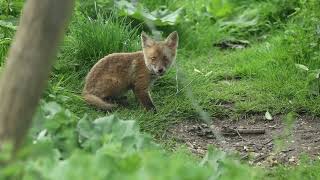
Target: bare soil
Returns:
[[279, 144]]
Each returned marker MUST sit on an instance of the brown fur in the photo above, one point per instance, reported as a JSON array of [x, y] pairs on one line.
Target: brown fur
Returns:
[[117, 73]]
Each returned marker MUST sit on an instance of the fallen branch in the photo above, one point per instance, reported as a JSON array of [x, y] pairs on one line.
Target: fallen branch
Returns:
[[260, 158], [236, 131]]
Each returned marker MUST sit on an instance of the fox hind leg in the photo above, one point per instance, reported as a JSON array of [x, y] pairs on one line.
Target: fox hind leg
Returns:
[[98, 102]]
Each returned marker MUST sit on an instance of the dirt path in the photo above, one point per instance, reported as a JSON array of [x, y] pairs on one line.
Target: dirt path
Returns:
[[277, 144]]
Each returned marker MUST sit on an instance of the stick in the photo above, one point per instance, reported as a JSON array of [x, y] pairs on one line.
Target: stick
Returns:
[[28, 65], [230, 131]]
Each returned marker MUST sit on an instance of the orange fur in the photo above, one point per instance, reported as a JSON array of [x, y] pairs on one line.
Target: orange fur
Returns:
[[117, 73]]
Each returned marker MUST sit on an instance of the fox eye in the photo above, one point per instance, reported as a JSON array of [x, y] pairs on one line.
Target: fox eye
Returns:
[[165, 59]]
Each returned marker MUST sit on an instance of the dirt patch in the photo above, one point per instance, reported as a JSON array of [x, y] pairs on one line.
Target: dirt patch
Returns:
[[260, 141]]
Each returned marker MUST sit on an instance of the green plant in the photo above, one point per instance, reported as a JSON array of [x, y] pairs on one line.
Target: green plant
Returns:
[[158, 17], [302, 35], [108, 147], [10, 8], [257, 18], [219, 8], [91, 39], [93, 8]]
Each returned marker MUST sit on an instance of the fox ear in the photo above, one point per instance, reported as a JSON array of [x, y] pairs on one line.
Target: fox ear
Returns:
[[172, 40], [146, 40]]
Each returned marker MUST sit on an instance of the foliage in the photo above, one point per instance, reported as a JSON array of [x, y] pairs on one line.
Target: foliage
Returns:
[[108, 147], [93, 8], [258, 18], [219, 8], [262, 79], [302, 35], [159, 17], [91, 39], [10, 8]]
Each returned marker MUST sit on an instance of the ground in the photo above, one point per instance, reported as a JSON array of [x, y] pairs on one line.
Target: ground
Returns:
[[269, 148]]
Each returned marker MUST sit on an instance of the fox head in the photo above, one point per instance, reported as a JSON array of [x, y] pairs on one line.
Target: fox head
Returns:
[[159, 55]]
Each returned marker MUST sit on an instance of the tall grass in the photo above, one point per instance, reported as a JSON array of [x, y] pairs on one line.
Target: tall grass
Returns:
[[91, 39]]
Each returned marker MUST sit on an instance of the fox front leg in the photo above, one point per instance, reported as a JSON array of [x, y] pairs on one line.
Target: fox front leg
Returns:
[[145, 99]]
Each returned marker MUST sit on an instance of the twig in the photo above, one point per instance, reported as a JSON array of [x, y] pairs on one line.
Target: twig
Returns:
[[270, 140], [230, 131], [240, 135], [260, 158], [288, 150]]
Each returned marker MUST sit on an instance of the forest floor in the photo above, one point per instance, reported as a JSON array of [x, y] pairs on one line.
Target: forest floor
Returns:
[[260, 141]]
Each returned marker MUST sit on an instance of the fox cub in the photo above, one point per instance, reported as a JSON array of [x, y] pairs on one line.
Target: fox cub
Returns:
[[117, 73]]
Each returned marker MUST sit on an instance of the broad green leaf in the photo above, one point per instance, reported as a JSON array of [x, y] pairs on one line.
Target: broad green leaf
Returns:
[[85, 128], [159, 17], [51, 108]]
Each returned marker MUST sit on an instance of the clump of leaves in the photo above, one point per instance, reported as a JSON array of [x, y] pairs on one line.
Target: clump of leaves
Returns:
[[108, 148], [158, 17], [108, 130], [219, 8], [254, 18], [55, 124]]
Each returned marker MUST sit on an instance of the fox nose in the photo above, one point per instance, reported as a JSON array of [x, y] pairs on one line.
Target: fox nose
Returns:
[[161, 70]]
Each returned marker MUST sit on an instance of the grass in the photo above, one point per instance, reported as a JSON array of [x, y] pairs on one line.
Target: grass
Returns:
[[251, 79], [258, 79]]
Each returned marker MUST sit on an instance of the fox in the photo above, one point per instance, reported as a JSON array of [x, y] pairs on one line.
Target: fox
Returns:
[[117, 73]]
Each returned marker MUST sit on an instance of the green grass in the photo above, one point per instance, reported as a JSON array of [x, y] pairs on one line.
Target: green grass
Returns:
[[258, 79]]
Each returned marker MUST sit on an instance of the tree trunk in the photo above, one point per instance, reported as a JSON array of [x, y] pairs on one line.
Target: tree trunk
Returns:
[[28, 65]]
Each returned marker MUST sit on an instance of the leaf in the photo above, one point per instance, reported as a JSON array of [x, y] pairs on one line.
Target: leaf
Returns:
[[110, 129], [172, 18], [7, 25], [219, 8], [85, 128], [42, 134], [159, 17], [208, 74], [268, 116], [302, 67], [197, 70], [51, 108]]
